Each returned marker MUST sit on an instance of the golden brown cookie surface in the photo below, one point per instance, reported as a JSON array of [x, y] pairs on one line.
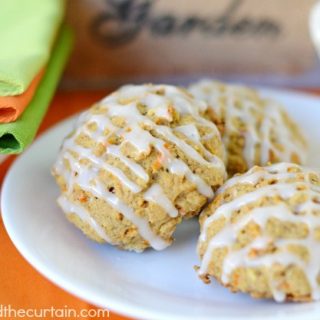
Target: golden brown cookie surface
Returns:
[[136, 164], [255, 131], [261, 234]]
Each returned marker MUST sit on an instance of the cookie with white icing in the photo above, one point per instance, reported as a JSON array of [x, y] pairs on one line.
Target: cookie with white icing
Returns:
[[261, 234], [255, 131], [137, 163]]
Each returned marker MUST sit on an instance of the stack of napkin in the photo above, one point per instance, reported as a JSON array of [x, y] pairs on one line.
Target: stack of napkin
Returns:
[[34, 48]]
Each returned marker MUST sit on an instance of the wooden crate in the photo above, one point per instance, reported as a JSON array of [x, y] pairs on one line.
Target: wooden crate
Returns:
[[126, 40]]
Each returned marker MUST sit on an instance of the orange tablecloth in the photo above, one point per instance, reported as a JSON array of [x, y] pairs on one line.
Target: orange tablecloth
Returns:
[[20, 285]]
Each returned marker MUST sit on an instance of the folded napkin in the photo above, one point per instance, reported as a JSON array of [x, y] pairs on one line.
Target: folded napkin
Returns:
[[12, 106], [28, 29], [16, 136]]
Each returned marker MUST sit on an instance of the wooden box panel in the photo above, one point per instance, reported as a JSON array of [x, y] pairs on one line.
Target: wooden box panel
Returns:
[[122, 40]]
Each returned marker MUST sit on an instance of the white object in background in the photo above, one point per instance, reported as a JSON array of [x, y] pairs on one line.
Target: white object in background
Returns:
[[314, 24]]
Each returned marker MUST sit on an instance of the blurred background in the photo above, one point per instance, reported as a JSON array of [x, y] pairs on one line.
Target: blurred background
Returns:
[[258, 42]]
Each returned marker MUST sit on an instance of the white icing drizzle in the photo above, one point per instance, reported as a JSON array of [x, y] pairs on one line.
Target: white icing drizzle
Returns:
[[273, 121], [303, 214], [178, 167], [133, 166], [142, 140], [101, 163], [187, 149], [253, 175], [190, 131], [143, 143], [99, 127], [69, 207], [87, 179], [232, 102], [155, 194], [144, 229], [159, 106]]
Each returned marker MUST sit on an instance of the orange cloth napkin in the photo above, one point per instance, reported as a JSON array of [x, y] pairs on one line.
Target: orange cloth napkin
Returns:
[[12, 106]]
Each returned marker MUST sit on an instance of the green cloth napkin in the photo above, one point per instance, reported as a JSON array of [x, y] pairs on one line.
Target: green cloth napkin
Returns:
[[16, 136], [28, 29]]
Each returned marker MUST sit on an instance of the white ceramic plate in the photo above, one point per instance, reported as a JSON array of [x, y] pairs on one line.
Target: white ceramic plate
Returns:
[[152, 285]]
